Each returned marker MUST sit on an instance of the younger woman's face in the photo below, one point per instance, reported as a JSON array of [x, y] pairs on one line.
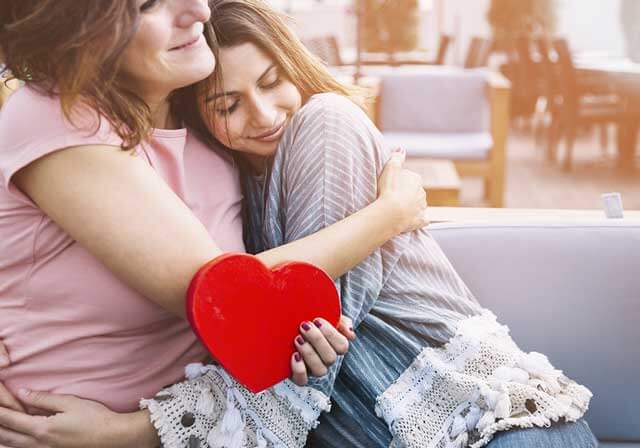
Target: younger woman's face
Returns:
[[169, 50], [251, 111]]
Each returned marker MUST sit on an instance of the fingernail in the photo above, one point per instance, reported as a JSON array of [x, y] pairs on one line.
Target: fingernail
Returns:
[[306, 326], [318, 323], [351, 329], [297, 357], [299, 340], [4, 361]]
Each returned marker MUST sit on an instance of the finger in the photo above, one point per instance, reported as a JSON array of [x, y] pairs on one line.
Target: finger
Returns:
[[45, 400], [397, 157], [13, 439], [298, 370], [311, 359], [345, 326], [4, 356], [20, 422], [425, 218], [336, 340], [7, 400], [317, 339]]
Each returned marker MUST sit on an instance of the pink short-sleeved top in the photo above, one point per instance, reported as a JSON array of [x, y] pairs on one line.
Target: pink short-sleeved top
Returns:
[[70, 325]]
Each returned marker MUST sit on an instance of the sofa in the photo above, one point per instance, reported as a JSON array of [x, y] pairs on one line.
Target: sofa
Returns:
[[571, 290]]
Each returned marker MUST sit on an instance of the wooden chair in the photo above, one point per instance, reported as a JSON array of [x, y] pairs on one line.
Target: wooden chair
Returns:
[[478, 52], [576, 103], [443, 47], [326, 48]]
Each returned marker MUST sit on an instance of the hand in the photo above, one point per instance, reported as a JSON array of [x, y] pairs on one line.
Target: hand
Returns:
[[7, 400], [404, 192], [318, 347], [73, 422]]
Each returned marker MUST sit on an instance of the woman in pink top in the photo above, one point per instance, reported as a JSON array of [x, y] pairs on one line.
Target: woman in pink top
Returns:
[[108, 207]]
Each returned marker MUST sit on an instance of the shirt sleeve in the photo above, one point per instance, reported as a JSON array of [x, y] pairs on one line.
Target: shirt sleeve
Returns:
[[33, 125]]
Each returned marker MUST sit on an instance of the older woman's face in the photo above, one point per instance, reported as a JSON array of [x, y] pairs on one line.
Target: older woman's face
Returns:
[[168, 50], [252, 110]]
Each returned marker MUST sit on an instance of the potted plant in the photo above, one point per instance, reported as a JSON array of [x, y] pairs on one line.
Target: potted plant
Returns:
[[510, 19], [390, 26]]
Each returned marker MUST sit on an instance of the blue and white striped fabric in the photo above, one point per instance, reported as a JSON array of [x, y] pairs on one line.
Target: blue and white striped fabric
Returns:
[[404, 297], [329, 171]]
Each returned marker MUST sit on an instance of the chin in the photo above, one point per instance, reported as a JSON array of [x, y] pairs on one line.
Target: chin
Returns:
[[198, 71]]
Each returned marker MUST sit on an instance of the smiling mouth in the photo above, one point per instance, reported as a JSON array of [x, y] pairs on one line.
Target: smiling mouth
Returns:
[[271, 135], [187, 45]]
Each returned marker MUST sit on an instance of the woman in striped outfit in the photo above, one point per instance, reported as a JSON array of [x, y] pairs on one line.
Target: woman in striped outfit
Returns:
[[430, 366]]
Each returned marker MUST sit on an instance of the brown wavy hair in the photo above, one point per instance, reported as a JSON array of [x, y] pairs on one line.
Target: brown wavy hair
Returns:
[[73, 49], [236, 22]]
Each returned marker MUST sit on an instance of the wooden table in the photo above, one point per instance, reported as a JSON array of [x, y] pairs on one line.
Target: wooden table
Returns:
[[620, 76], [440, 180]]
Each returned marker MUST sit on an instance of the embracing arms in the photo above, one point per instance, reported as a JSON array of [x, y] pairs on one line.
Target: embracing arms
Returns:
[[116, 206]]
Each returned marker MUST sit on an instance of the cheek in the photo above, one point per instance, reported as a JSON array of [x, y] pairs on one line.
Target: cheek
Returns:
[[225, 131], [293, 98], [148, 42]]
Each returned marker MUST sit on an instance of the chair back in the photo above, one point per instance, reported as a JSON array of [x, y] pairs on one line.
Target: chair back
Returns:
[[567, 78], [548, 70], [472, 52], [435, 99], [443, 47], [326, 48]]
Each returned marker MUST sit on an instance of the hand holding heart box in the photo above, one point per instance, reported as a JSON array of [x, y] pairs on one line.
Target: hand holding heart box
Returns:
[[248, 315]]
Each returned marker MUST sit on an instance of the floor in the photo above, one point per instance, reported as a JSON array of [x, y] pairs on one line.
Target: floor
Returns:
[[533, 182]]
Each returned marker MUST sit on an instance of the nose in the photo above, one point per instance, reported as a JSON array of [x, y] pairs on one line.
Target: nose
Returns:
[[263, 113], [192, 11]]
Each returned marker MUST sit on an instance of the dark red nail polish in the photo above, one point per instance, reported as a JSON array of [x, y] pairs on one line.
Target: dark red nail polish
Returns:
[[318, 323], [306, 326], [297, 357], [299, 340]]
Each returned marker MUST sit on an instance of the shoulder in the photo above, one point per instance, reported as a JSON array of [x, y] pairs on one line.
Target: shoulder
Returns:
[[30, 113], [333, 105], [333, 112], [32, 125]]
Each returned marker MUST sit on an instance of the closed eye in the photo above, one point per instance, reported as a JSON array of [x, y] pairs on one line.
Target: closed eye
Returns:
[[229, 110], [148, 5]]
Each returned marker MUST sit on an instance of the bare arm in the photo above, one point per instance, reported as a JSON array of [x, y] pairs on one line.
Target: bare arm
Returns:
[[117, 207]]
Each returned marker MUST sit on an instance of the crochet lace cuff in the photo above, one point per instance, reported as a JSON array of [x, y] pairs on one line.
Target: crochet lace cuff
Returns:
[[211, 409]]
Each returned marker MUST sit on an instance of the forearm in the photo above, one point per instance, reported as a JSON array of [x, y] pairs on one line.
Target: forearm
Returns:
[[341, 246], [133, 430]]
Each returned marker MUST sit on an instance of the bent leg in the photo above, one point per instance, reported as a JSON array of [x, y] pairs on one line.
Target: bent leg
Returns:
[[562, 435]]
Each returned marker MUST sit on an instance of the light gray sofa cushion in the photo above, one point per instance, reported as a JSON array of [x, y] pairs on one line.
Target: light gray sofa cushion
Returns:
[[569, 291], [434, 100], [619, 445], [466, 146]]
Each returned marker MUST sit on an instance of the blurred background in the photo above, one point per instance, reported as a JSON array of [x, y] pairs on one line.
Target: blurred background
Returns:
[[501, 103]]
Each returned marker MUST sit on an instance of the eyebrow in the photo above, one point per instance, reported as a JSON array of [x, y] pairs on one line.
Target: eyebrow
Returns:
[[234, 92]]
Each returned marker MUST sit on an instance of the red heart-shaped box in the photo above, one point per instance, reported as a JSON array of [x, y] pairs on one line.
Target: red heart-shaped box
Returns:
[[248, 315]]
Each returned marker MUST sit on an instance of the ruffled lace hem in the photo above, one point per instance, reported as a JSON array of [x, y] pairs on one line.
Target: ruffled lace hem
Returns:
[[478, 384], [211, 409]]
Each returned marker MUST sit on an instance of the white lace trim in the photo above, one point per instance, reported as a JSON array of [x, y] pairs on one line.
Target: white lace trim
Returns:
[[222, 413], [476, 385]]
